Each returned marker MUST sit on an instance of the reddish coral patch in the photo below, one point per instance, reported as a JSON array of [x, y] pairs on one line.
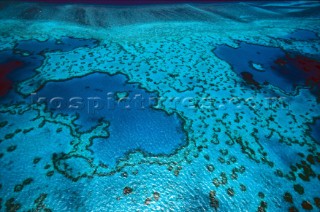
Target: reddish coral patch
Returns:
[[309, 68], [310, 159], [306, 205], [5, 69], [293, 209], [317, 201], [280, 62], [248, 77]]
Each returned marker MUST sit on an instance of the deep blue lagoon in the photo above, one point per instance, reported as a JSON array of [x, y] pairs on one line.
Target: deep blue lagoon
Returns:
[[159, 106]]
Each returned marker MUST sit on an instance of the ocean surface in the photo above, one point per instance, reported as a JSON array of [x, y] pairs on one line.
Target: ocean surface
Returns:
[[210, 106]]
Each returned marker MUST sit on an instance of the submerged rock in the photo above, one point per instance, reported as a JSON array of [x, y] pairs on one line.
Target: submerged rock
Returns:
[[306, 205], [214, 203], [18, 188], [210, 168], [156, 196], [127, 190], [243, 187], [288, 197], [317, 201], [147, 201], [299, 189], [11, 205], [230, 191]]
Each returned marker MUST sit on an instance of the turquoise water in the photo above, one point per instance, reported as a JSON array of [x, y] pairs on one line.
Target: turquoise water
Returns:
[[187, 107]]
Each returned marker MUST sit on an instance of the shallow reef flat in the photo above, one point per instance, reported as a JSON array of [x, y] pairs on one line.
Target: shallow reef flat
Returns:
[[187, 107]]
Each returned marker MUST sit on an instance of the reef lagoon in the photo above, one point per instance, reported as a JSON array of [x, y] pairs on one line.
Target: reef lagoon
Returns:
[[160, 107]]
